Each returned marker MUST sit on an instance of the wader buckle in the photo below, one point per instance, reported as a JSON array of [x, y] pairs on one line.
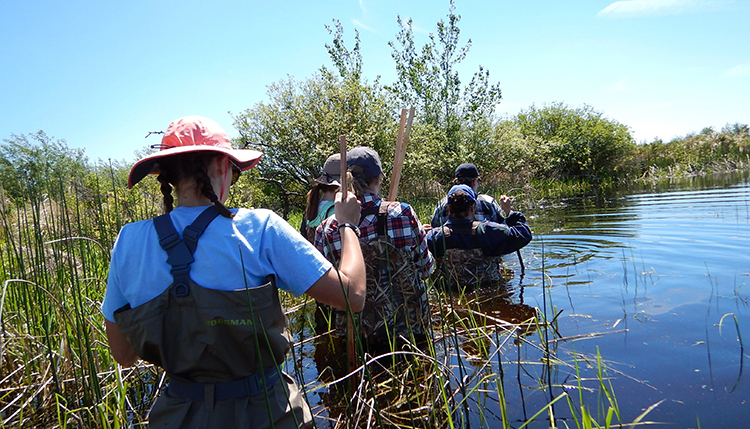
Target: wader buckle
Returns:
[[169, 241], [181, 275]]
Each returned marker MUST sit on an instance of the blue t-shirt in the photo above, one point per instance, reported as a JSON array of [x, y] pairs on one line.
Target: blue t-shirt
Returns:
[[258, 239]]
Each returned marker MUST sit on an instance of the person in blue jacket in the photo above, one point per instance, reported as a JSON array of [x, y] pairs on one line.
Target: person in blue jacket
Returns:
[[468, 251]]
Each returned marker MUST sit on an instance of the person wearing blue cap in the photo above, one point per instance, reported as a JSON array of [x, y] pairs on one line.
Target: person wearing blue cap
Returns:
[[468, 251], [487, 207]]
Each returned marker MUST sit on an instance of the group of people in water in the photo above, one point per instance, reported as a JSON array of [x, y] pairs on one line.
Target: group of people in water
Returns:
[[195, 291]]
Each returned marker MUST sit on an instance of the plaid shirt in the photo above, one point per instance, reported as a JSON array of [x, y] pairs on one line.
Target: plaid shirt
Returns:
[[403, 227]]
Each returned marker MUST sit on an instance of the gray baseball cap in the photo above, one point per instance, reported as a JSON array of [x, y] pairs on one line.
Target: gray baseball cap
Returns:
[[367, 158]]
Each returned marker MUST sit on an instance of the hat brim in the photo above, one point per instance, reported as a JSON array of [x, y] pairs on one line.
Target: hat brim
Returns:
[[323, 180], [245, 159]]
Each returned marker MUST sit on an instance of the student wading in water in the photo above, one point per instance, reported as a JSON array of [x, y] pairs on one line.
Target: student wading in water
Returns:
[[468, 251], [320, 197], [194, 291], [397, 259], [486, 207]]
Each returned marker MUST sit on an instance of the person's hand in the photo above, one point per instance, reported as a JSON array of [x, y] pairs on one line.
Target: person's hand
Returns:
[[505, 203], [347, 208]]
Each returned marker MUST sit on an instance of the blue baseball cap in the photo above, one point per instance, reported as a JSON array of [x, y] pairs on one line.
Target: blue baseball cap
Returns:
[[468, 190]]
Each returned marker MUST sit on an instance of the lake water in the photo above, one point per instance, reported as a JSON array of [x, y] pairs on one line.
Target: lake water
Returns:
[[654, 279], [670, 265]]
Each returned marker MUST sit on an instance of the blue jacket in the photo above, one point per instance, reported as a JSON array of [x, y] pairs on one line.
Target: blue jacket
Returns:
[[495, 239]]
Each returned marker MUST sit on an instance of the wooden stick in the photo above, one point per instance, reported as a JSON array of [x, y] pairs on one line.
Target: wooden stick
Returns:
[[349, 315], [342, 150], [404, 129]]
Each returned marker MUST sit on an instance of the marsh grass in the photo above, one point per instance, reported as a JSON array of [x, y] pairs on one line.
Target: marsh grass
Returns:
[[492, 361]]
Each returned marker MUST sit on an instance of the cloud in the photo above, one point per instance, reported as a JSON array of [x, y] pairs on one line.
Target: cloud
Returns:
[[633, 8], [741, 70], [362, 7], [362, 26], [621, 86]]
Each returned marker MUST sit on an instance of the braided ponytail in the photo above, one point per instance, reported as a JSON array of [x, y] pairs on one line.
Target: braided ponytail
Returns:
[[166, 191], [204, 183], [177, 168]]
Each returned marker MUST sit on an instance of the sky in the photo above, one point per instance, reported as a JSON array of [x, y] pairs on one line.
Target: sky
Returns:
[[102, 74]]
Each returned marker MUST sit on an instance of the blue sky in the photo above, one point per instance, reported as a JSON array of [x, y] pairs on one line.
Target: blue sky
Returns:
[[102, 74]]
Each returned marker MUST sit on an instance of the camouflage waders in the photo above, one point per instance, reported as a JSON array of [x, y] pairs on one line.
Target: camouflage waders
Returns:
[[396, 302], [222, 350], [462, 268]]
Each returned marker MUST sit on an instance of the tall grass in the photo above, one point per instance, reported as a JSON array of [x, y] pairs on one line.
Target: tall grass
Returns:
[[492, 361]]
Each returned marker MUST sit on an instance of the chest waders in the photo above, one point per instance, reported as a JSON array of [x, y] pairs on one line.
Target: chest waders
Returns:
[[396, 302], [460, 267], [222, 350]]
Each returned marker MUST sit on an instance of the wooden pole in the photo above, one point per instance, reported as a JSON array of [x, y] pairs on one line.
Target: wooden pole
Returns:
[[342, 150], [404, 129], [349, 314], [520, 260]]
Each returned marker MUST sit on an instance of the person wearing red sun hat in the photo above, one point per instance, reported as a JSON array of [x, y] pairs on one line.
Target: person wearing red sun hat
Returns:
[[195, 290]]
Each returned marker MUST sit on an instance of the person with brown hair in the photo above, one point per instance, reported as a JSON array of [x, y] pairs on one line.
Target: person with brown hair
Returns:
[[194, 291], [468, 251], [396, 256], [320, 197]]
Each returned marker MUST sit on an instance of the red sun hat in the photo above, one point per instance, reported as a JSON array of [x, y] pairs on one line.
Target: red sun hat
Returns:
[[191, 134]]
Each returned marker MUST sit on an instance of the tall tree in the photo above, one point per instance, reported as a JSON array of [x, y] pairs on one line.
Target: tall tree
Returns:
[[299, 126], [428, 79], [455, 116]]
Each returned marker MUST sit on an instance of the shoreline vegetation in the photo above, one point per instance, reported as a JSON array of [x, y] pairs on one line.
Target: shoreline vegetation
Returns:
[[60, 214]]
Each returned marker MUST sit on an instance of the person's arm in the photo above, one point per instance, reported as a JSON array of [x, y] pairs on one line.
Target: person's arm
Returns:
[[497, 213], [119, 346], [505, 205], [509, 237], [335, 288]]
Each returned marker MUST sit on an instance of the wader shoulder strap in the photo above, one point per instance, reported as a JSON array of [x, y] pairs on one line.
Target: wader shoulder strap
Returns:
[[382, 220], [452, 243], [180, 250]]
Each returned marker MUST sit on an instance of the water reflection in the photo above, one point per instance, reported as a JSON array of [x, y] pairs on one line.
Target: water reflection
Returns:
[[467, 319], [649, 282]]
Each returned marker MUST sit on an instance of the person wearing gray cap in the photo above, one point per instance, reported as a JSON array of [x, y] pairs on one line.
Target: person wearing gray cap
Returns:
[[487, 207], [396, 257], [320, 197]]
